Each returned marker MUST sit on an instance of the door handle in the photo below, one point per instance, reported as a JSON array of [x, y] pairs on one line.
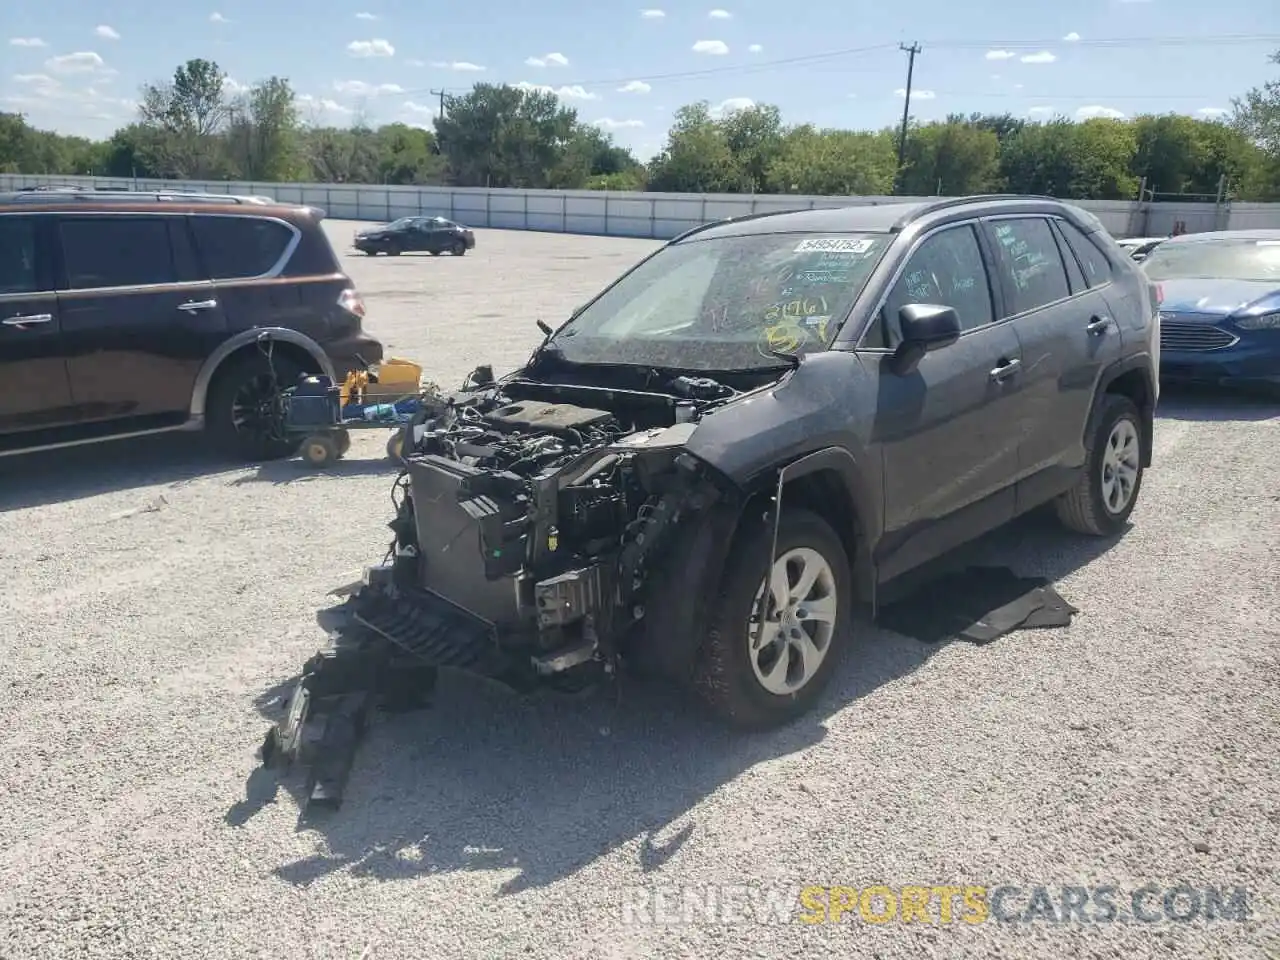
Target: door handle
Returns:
[[28, 319], [195, 306], [1006, 369], [1099, 325]]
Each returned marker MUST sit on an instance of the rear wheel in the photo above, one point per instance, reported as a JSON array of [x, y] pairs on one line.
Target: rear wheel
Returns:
[[459, 248], [761, 675], [242, 409]]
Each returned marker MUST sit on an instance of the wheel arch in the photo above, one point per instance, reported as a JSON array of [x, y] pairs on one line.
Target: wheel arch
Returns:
[[1133, 378], [291, 343]]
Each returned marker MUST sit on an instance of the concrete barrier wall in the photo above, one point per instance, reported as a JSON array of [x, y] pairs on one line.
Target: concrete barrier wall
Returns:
[[653, 215]]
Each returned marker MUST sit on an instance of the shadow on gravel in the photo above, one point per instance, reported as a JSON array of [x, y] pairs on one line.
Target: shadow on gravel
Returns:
[[544, 786], [59, 476], [73, 473], [1210, 404]]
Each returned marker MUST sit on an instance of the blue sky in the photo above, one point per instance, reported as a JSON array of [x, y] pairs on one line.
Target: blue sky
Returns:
[[76, 67]]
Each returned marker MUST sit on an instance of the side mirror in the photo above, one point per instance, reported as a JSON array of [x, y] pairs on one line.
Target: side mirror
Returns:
[[925, 327]]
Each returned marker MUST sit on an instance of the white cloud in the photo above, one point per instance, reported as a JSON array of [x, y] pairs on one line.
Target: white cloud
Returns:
[[415, 63], [995, 76], [84, 62], [234, 88], [358, 88], [719, 14], [322, 104], [732, 104], [916, 94], [38, 83], [460, 66], [371, 48], [635, 86], [1212, 113], [106, 33], [1044, 56], [27, 42], [551, 59], [1041, 111], [609, 124], [755, 48], [1094, 113], [216, 17], [1071, 37], [564, 93], [366, 16], [420, 108], [1000, 54], [653, 14], [716, 48]]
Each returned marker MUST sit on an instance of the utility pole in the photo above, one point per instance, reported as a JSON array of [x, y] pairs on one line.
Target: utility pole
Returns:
[[441, 95], [911, 52]]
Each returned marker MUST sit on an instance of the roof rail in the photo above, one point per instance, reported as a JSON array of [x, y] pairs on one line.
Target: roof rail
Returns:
[[942, 203], [726, 220], [92, 194]]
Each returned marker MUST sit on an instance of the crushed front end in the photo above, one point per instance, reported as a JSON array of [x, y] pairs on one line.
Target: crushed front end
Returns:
[[530, 518]]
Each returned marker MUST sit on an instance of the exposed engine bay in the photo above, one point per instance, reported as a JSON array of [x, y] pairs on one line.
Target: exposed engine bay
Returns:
[[531, 517]]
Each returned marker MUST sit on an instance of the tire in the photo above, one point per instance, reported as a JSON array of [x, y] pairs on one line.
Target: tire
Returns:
[[1092, 507], [730, 679], [393, 251], [459, 248], [238, 383], [435, 253]]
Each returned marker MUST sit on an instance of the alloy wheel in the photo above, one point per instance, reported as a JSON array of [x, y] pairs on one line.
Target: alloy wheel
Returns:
[[1121, 461], [799, 623]]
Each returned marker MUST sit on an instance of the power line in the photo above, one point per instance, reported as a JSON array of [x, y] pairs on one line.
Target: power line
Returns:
[[1011, 45]]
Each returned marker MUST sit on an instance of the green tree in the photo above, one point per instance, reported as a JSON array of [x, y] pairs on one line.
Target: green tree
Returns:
[[834, 163], [263, 132], [697, 157], [189, 112], [955, 157], [502, 136], [1256, 116], [754, 135]]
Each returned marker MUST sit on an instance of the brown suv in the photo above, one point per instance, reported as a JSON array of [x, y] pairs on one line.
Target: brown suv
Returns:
[[125, 313]]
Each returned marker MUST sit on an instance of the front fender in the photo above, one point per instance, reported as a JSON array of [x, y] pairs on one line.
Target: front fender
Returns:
[[245, 338]]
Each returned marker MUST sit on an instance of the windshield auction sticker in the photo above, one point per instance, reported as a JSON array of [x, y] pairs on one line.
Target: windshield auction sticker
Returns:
[[835, 245]]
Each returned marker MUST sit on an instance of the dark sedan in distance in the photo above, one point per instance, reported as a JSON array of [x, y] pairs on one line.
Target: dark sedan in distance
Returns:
[[433, 235], [1220, 307]]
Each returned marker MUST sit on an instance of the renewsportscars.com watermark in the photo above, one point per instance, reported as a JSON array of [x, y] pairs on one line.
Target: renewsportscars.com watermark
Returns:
[[962, 905]]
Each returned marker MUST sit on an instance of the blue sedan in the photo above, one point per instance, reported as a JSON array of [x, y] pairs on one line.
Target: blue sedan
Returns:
[[1219, 306]]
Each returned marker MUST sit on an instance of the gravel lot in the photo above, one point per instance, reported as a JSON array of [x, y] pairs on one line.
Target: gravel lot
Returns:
[[157, 601]]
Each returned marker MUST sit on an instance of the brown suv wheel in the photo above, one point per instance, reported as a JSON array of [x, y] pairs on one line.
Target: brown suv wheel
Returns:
[[242, 411]]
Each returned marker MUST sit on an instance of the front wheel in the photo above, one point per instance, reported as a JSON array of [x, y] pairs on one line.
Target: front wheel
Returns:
[[459, 248], [762, 675], [1107, 491]]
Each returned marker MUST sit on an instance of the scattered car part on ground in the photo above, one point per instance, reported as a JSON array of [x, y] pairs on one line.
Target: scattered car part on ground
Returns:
[[703, 471], [433, 235], [130, 312], [1220, 309]]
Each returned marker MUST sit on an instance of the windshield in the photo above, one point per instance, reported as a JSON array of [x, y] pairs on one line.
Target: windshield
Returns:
[[1215, 260], [725, 303]]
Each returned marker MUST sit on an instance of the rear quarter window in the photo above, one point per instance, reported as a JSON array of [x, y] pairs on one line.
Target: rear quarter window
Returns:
[[1097, 269], [237, 248]]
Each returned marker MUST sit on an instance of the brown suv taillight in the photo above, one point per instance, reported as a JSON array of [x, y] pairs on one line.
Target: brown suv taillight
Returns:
[[350, 301]]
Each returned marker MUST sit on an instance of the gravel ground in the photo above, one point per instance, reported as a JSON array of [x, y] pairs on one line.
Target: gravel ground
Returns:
[[159, 601]]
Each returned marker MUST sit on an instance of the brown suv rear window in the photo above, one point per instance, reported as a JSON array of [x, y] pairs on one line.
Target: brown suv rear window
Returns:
[[236, 248]]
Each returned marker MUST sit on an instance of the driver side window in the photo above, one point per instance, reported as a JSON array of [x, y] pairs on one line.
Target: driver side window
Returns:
[[946, 270]]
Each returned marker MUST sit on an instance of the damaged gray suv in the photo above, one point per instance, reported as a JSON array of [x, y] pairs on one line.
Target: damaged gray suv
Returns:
[[711, 464]]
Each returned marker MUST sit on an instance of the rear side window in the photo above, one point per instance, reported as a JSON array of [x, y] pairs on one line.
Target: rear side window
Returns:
[[1031, 266], [18, 255], [111, 251], [1097, 269], [235, 248]]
